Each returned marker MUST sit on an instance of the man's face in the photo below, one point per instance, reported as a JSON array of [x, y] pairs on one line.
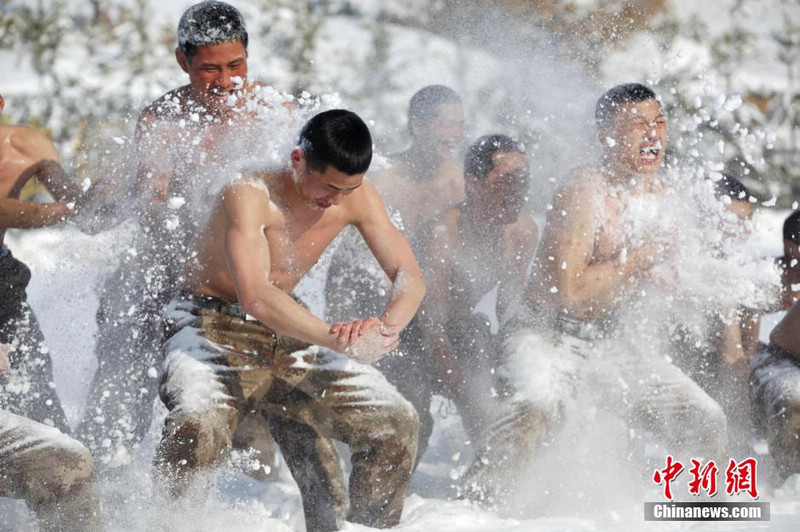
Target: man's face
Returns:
[[445, 131], [637, 138], [321, 190], [505, 190], [213, 71]]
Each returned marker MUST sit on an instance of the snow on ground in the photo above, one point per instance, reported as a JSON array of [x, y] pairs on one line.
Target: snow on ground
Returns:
[[68, 266]]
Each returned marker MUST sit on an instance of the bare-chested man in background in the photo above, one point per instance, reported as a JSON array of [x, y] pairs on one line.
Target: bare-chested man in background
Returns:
[[421, 181], [38, 461], [476, 256], [591, 262], [237, 340]]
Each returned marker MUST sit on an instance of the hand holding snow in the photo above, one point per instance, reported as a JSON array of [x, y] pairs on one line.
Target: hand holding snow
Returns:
[[374, 344]]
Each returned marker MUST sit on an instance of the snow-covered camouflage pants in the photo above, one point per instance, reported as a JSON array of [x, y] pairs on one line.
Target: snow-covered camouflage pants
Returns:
[[220, 366], [775, 394], [549, 370], [51, 471], [28, 390]]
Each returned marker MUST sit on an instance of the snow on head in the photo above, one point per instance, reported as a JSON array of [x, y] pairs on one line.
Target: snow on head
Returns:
[[210, 22]]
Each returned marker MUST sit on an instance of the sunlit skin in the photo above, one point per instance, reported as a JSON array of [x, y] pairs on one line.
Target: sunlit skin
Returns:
[[213, 70], [320, 189], [585, 261], [636, 140], [424, 179], [269, 229]]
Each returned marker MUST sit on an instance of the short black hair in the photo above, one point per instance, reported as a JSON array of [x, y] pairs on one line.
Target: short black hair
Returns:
[[337, 138], [478, 160], [791, 228], [730, 186], [210, 22], [609, 103], [426, 102]]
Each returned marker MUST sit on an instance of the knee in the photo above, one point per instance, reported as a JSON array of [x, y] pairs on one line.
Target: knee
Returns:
[[69, 471], [197, 441]]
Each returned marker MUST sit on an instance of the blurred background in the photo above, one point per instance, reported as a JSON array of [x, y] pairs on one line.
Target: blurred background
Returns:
[[726, 70]]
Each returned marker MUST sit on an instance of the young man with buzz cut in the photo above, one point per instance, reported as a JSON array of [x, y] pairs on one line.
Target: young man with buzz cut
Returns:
[[238, 341], [39, 463], [178, 138], [476, 256], [594, 260]]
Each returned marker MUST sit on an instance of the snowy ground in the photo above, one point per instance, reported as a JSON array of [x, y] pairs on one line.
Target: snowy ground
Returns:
[[67, 266]]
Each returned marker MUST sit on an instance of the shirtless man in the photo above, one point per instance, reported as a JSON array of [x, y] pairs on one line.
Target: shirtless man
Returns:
[[775, 393], [425, 178], [790, 262], [236, 339], [177, 138], [26, 153], [477, 256], [591, 263], [38, 462], [421, 181]]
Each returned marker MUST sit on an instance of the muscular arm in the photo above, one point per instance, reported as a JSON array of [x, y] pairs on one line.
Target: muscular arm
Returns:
[[394, 254], [585, 283], [247, 256], [37, 148]]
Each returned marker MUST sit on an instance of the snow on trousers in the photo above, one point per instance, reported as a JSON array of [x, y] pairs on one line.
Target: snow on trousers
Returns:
[[120, 403], [551, 369], [28, 390], [775, 395], [51, 471], [220, 366]]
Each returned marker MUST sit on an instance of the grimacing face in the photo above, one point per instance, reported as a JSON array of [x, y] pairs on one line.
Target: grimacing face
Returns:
[[212, 71], [637, 139]]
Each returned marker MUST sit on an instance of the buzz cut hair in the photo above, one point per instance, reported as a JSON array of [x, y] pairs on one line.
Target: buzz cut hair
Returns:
[[337, 138], [425, 103], [207, 23], [791, 228], [479, 159], [609, 104]]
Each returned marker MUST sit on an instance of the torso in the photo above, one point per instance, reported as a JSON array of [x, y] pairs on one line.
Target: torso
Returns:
[[419, 200], [296, 240]]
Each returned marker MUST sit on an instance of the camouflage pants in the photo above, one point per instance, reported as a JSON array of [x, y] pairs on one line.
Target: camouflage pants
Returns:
[[28, 390], [51, 471], [775, 394], [550, 371], [220, 366], [477, 395]]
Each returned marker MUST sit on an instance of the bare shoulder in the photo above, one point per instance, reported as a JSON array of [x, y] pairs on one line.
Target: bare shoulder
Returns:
[[247, 197], [31, 143], [452, 171], [581, 184], [524, 229], [171, 105]]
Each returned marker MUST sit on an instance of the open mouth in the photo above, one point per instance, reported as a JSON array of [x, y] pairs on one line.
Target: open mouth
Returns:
[[650, 153]]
